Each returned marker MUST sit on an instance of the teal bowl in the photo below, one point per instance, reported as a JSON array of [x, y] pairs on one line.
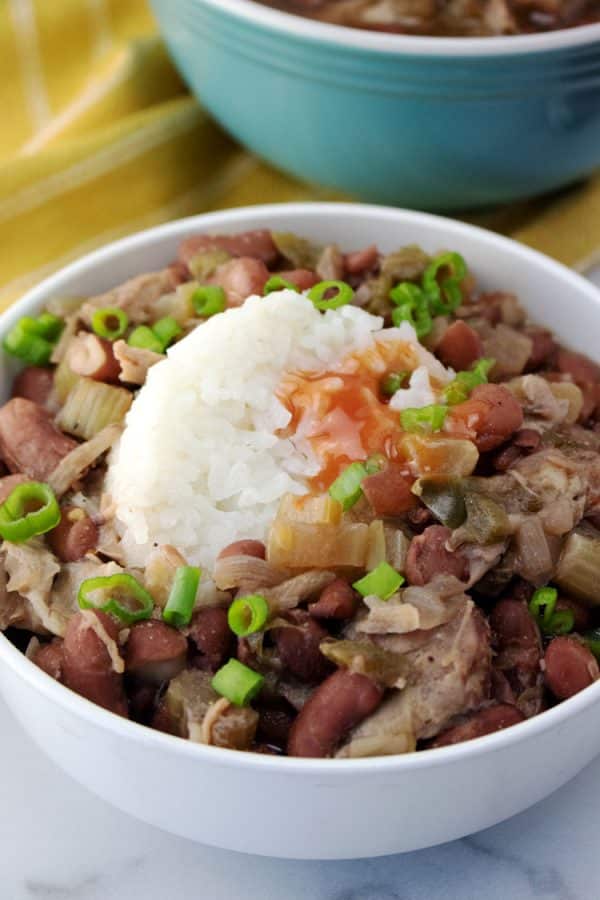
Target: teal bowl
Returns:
[[432, 123]]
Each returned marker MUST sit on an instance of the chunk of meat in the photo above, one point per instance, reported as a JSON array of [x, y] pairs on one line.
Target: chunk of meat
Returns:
[[93, 357], [134, 362], [34, 383], [361, 260], [488, 418], [427, 557], [244, 548], [75, 535], [447, 676], [388, 491], [459, 347], [212, 638], [92, 664], [49, 657], [304, 279], [241, 278], [483, 721], [337, 601], [298, 648], [82, 457], [569, 667], [136, 297], [29, 442], [519, 653], [256, 244], [155, 652], [337, 706]]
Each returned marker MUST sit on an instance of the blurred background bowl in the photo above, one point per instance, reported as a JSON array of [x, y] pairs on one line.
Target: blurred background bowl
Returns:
[[434, 123]]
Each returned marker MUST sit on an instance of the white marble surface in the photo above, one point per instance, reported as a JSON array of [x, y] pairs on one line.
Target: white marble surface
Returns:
[[58, 842]]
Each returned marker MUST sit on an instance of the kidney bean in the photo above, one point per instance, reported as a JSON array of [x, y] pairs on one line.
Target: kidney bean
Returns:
[[34, 383], [579, 367], [460, 346], [337, 601], [49, 657], [427, 556], [274, 725], [388, 491], [75, 535], [337, 706], [519, 652], [244, 548], [298, 648], [87, 665], [303, 279], [524, 442], [155, 652], [489, 417], [570, 667], [483, 721], [142, 701], [258, 244], [361, 260], [29, 441], [582, 614], [212, 638], [543, 348], [419, 518], [92, 356]]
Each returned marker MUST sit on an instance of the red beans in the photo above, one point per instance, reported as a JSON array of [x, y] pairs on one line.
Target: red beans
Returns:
[[75, 535], [427, 557], [337, 706], [580, 368], [389, 492], [489, 417], [34, 383], [519, 652], [298, 648], [569, 667], [29, 441], [582, 614], [337, 601], [258, 244], [240, 278], [212, 638], [49, 657], [87, 664], [155, 652], [361, 260], [302, 278], [244, 548], [524, 442], [459, 347], [484, 721], [543, 347]]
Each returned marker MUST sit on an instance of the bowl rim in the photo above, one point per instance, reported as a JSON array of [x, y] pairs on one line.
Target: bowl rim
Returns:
[[298, 26], [73, 703]]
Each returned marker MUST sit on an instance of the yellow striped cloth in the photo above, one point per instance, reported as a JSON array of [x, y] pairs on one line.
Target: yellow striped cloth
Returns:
[[99, 138]]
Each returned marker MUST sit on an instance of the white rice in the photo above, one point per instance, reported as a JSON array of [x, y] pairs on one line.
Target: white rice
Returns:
[[200, 464]]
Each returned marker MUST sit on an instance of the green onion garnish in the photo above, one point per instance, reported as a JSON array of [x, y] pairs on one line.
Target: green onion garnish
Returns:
[[166, 330], [180, 605], [237, 683], [121, 588], [346, 488], [411, 306], [592, 639], [144, 338], [208, 300], [392, 383], [542, 607], [248, 614], [46, 325], [28, 510], [375, 463], [344, 294], [110, 322], [382, 582], [32, 340], [444, 294], [428, 418], [277, 283], [459, 389]]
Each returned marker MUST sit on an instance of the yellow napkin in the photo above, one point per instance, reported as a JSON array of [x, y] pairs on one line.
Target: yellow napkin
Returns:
[[100, 138]]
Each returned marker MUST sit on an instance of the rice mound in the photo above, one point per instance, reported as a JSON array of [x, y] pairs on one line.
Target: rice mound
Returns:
[[199, 464]]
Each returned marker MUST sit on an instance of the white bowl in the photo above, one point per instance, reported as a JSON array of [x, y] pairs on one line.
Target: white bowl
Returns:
[[326, 809]]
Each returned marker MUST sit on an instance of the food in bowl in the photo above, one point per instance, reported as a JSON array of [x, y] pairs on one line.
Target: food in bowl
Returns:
[[449, 18], [282, 498]]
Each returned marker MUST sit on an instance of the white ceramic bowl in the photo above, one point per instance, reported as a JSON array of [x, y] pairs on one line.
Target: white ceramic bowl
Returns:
[[316, 808]]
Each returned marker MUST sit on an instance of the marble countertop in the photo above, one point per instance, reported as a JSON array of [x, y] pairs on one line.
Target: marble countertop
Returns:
[[59, 842]]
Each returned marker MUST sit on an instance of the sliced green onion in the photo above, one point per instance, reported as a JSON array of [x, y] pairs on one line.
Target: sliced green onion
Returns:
[[562, 622], [110, 322], [32, 349], [411, 306], [392, 383], [346, 488], [382, 582], [120, 595], [144, 338], [180, 605], [427, 418], [375, 463], [237, 683], [444, 294], [208, 300], [459, 389], [28, 510], [248, 614], [166, 330], [592, 639], [277, 283], [542, 607], [46, 325], [344, 294]]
